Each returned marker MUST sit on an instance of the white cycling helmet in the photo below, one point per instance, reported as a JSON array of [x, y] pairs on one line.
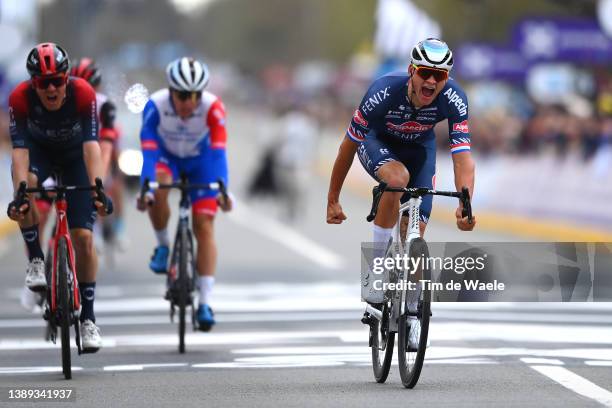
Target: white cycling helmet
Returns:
[[432, 53], [187, 74]]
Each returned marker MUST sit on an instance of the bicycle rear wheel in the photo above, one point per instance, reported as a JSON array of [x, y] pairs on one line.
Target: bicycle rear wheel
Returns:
[[411, 360], [381, 342], [64, 310], [182, 285]]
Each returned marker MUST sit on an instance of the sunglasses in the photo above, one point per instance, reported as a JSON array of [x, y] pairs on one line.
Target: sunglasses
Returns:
[[427, 72], [44, 82], [185, 95]]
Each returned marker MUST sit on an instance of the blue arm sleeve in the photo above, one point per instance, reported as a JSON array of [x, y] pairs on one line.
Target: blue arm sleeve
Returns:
[[149, 141], [219, 165]]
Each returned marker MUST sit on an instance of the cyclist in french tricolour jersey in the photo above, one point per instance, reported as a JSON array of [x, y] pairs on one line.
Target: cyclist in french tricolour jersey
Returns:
[[183, 131], [392, 131]]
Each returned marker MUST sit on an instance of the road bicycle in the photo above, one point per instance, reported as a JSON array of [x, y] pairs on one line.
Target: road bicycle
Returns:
[[63, 303], [181, 286], [394, 315]]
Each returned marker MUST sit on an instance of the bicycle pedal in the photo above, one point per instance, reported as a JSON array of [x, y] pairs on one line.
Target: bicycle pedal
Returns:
[[51, 335], [89, 350], [368, 319]]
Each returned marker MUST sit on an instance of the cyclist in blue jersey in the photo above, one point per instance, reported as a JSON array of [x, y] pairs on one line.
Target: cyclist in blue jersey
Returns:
[[392, 131], [183, 131]]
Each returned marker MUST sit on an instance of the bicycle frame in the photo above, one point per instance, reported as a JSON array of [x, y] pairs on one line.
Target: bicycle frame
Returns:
[[413, 208], [183, 224], [61, 230]]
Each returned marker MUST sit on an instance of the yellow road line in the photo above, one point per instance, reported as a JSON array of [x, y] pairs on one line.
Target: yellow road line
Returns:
[[7, 226]]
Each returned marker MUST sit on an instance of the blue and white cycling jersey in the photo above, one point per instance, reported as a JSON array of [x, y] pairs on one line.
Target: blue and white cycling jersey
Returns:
[[386, 110], [196, 145], [389, 128]]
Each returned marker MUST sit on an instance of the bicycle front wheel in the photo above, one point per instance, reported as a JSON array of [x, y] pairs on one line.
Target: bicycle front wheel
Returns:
[[183, 285], [411, 356], [381, 342], [64, 311]]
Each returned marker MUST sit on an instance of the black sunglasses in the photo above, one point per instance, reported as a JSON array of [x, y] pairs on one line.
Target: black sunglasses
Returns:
[[44, 82], [184, 95], [426, 72]]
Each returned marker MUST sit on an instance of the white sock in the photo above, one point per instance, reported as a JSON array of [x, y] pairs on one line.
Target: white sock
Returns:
[[162, 237], [206, 284], [381, 238]]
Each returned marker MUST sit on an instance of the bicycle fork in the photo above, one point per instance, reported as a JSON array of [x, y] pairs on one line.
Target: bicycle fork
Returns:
[[402, 239], [173, 273]]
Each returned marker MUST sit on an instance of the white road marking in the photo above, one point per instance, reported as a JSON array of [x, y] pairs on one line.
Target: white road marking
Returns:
[[441, 352], [34, 370], [447, 331], [576, 383], [284, 235], [140, 367], [318, 361], [599, 363], [275, 362], [193, 339], [531, 360], [146, 320]]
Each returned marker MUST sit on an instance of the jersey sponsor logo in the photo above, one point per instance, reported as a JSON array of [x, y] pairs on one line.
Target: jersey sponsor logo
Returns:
[[149, 145], [12, 122], [364, 157], [359, 119], [409, 127], [375, 99], [94, 118], [382, 163], [461, 127], [455, 99]]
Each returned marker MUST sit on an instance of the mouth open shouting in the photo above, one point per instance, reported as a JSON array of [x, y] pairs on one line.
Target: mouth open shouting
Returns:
[[426, 94], [428, 90]]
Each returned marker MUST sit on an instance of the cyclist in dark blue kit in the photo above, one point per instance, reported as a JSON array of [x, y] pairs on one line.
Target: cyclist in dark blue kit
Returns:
[[54, 124], [392, 131]]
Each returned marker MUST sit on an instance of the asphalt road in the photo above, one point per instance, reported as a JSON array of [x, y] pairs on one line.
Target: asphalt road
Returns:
[[288, 309]]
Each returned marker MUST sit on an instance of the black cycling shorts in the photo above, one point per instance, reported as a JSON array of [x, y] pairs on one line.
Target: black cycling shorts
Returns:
[[44, 161]]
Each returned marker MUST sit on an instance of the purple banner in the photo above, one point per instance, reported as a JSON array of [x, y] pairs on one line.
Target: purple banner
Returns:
[[480, 61], [571, 40]]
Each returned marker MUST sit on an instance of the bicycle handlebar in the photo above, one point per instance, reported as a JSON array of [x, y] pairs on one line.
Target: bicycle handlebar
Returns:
[[22, 190], [377, 192], [183, 185]]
